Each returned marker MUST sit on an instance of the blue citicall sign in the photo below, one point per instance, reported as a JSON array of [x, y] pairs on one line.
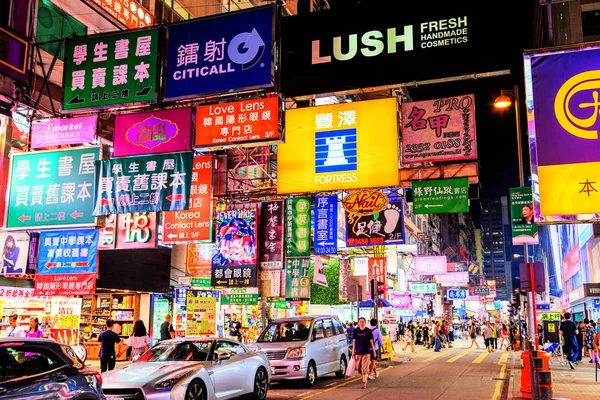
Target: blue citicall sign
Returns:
[[219, 54]]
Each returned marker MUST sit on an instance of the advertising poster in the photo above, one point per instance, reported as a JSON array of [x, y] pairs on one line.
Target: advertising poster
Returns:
[[270, 283], [52, 188], [326, 225], [239, 122], [241, 296], [153, 132], [129, 231], [220, 53], [319, 277], [195, 223], [61, 131], [385, 227], [65, 314], [15, 249], [297, 226], [524, 230], [344, 276], [128, 12], [297, 280], [111, 69], [201, 318], [65, 284], [361, 266], [433, 265], [271, 226], [68, 252], [400, 300], [199, 259], [340, 146], [378, 270], [158, 182], [160, 308], [439, 130], [441, 196]]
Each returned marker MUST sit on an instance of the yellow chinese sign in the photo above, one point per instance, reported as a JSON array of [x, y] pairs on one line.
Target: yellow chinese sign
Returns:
[[201, 315], [65, 312], [339, 146]]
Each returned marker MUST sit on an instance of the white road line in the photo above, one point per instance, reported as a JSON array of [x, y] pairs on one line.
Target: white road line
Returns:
[[302, 394]]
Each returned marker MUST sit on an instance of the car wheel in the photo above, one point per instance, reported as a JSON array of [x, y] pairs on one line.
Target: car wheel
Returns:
[[261, 384], [196, 391], [343, 365], [311, 374]]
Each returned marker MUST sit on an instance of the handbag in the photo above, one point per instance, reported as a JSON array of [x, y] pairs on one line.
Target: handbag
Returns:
[[350, 369]]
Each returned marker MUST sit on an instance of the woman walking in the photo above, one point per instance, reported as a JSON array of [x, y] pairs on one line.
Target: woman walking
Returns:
[[34, 329], [504, 338], [473, 336], [408, 337], [138, 341]]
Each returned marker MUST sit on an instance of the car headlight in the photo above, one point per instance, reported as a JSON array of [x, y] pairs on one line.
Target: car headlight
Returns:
[[168, 383], [297, 353]]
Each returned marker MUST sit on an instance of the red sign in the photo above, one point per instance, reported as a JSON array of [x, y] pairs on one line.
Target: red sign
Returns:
[[199, 259], [193, 225], [378, 268], [65, 335], [10, 293], [571, 264], [237, 122], [65, 284], [128, 12], [129, 231]]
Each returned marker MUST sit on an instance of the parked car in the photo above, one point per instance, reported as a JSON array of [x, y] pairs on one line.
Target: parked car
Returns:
[[191, 369], [305, 347], [43, 369]]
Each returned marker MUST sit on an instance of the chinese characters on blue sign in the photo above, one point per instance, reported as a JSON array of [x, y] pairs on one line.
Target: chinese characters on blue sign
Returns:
[[457, 294], [326, 213], [143, 184], [68, 251], [220, 54]]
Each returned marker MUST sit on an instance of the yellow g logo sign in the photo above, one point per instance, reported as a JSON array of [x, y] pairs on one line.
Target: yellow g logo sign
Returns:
[[580, 127]]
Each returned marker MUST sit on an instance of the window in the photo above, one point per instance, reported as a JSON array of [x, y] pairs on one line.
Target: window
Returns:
[[25, 361], [285, 332], [328, 325], [590, 21], [338, 325], [318, 332], [225, 346]]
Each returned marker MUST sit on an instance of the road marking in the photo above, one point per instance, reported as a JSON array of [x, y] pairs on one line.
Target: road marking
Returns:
[[503, 358], [419, 354], [435, 356], [302, 394], [459, 356], [498, 390], [339, 385], [479, 359]]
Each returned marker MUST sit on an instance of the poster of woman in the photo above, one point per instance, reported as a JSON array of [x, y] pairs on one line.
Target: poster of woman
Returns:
[[236, 238], [15, 248]]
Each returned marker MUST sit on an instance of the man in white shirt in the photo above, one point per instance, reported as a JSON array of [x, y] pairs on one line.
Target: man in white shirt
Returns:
[[14, 330], [487, 333]]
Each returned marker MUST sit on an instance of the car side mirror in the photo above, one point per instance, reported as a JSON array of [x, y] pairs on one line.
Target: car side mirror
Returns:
[[223, 357]]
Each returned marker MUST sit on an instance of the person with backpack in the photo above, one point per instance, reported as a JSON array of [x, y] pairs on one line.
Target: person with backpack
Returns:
[[378, 341]]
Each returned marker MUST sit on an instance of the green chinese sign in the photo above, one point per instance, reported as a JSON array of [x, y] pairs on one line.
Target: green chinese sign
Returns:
[[297, 282], [551, 316], [282, 305], [441, 196], [423, 288], [297, 226], [113, 69], [524, 230], [240, 296], [52, 188], [54, 24], [200, 282]]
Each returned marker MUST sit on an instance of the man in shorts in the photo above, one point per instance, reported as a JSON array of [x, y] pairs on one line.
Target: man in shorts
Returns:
[[363, 348]]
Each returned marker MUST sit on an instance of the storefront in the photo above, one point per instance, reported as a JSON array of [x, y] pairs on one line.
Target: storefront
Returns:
[[22, 302]]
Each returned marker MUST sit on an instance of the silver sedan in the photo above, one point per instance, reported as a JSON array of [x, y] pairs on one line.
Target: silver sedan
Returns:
[[191, 369]]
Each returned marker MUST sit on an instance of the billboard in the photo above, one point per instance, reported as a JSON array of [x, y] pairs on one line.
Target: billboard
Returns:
[[111, 69], [15, 250], [441, 196], [271, 226], [222, 53], [68, 251], [128, 12], [129, 231], [382, 228], [433, 265], [439, 130], [340, 146], [61, 131], [524, 230], [297, 226], [326, 225], [153, 132], [561, 88]]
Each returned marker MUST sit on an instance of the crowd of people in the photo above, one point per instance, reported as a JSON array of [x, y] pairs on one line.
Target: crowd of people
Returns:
[[580, 339]]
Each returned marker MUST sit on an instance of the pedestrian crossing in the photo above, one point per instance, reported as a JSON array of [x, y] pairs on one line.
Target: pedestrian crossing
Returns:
[[453, 355]]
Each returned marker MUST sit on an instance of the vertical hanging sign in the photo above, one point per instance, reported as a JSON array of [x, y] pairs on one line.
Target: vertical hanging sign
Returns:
[[326, 212], [297, 227], [271, 244], [297, 281]]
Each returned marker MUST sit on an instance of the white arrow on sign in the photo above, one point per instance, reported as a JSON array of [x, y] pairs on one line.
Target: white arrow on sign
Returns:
[[433, 205], [325, 244], [172, 235]]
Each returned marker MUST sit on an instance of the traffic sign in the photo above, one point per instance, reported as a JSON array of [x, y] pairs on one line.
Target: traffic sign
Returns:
[[441, 196]]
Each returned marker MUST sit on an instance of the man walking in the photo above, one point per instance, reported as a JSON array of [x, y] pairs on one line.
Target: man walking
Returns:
[[166, 329], [378, 341], [363, 348], [108, 339], [569, 331], [488, 332]]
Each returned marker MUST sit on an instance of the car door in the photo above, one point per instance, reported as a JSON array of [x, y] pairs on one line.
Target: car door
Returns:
[[331, 345], [342, 340], [318, 349], [227, 374]]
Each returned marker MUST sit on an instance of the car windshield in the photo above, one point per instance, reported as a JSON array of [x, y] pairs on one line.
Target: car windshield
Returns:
[[178, 351], [290, 331]]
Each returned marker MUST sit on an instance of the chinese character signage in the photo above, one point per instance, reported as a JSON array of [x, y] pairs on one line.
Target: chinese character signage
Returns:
[[439, 130], [441, 196], [479, 291], [451, 278], [344, 276], [65, 313], [52, 188], [326, 213], [524, 230], [270, 283], [271, 226], [239, 122], [433, 265], [241, 296], [129, 231], [400, 300], [341, 146], [201, 318], [222, 53], [158, 182], [423, 288], [113, 69], [297, 226], [233, 275], [297, 280], [199, 260], [14, 53], [378, 271], [65, 284], [382, 228], [61, 131], [457, 294], [68, 251], [15, 249], [153, 132], [128, 12], [17, 293], [195, 223]]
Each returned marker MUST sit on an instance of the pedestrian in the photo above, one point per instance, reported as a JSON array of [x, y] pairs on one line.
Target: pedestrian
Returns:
[[108, 339], [34, 329], [513, 335], [401, 327], [378, 341], [235, 328], [487, 336], [13, 329], [139, 341], [495, 335], [504, 338], [408, 337], [426, 334], [417, 333], [568, 329], [590, 331], [580, 336], [437, 337], [166, 329], [363, 348], [350, 335]]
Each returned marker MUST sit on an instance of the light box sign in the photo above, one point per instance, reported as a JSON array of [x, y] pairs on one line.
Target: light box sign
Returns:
[[325, 225], [129, 231], [221, 53], [199, 260], [441, 196], [271, 226], [128, 12], [423, 288], [64, 284], [15, 249], [524, 230], [400, 300], [63, 131], [439, 130], [561, 88], [433, 265], [239, 122], [52, 188], [452, 278], [297, 226], [68, 252], [112, 69], [340, 146], [14, 51], [153, 132], [457, 294], [382, 228], [297, 280]]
